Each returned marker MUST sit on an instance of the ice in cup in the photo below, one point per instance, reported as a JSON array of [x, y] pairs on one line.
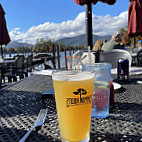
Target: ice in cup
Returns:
[[73, 95]]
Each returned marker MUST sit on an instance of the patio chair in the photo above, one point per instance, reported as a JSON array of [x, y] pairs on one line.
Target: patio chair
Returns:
[[114, 55], [47, 66], [28, 65], [139, 58], [15, 70], [2, 71]]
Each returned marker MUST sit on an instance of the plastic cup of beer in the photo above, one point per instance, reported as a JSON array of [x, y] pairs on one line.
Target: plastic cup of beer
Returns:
[[101, 92], [73, 95]]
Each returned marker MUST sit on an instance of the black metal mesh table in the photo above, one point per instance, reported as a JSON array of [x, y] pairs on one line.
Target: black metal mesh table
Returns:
[[21, 102]]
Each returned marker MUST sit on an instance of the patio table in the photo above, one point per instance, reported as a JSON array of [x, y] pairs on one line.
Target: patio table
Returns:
[[21, 102]]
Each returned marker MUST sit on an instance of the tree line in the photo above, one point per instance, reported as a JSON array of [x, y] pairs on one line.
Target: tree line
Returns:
[[18, 50], [41, 46]]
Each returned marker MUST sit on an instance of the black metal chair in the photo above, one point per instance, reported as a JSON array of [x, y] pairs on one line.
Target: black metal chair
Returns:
[[1, 75], [28, 65], [15, 70], [139, 58], [47, 67]]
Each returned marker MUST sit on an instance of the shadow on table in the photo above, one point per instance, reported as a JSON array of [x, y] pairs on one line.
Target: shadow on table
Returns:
[[14, 135], [107, 137], [131, 80], [127, 107], [14, 103], [43, 135], [130, 112]]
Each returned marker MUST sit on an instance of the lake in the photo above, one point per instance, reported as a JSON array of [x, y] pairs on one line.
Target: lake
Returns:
[[62, 58]]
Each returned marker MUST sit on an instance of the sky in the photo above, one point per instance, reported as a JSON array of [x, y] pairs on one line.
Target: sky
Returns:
[[29, 20]]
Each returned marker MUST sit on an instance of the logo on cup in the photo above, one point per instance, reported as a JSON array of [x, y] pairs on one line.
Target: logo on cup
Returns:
[[79, 98], [80, 92]]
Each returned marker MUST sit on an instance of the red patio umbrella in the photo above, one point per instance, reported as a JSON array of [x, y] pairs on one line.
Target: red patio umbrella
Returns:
[[135, 19], [82, 2], [4, 36], [89, 16]]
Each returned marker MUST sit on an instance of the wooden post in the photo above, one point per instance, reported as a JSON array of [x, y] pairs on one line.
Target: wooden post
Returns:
[[65, 51], [73, 50], [70, 51], [58, 56], [53, 60], [9, 54]]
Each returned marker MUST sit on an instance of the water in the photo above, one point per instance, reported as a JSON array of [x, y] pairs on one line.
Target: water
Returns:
[[100, 102], [14, 54], [41, 67]]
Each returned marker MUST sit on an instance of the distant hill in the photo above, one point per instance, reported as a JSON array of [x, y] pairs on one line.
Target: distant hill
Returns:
[[78, 40], [18, 44], [81, 40]]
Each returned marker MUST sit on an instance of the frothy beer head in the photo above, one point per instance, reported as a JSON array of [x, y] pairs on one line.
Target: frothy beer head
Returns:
[[72, 75]]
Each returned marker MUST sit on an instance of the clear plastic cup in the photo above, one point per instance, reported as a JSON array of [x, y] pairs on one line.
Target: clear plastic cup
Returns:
[[101, 92]]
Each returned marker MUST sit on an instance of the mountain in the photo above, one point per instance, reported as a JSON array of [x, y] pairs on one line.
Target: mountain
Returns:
[[18, 44], [78, 40], [81, 40]]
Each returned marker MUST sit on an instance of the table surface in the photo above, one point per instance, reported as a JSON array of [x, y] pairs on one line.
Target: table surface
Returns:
[[21, 102]]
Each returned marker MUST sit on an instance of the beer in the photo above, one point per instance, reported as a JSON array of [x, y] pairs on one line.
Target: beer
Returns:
[[73, 94]]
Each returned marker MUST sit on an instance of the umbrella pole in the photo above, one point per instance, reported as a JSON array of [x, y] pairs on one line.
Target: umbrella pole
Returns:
[[89, 40], [134, 42]]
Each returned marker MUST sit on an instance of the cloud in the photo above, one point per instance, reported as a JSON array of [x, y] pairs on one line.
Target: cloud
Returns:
[[102, 25], [107, 25]]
